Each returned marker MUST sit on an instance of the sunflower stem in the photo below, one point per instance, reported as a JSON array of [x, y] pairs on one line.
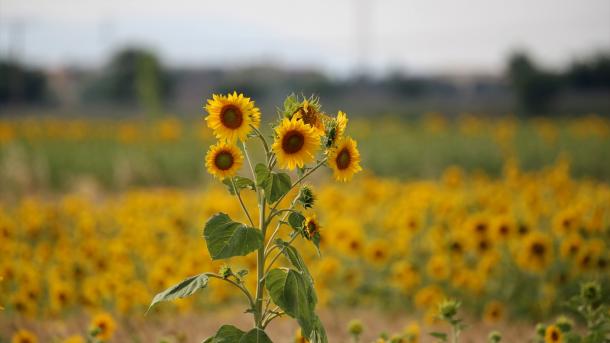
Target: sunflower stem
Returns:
[[249, 162], [262, 138], [241, 202]]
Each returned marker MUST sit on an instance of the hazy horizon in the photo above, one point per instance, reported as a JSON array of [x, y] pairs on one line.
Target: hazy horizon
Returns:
[[337, 37]]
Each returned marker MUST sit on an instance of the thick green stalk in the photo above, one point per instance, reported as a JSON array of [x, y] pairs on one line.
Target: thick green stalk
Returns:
[[260, 264]]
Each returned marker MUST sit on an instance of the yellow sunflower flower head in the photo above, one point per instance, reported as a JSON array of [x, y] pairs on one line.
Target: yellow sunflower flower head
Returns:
[[102, 326], [311, 227], [230, 116], [344, 159], [296, 143], [223, 160], [552, 334], [24, 336]]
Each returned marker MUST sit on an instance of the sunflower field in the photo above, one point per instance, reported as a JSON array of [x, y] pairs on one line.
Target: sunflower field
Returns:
[[508, 216]]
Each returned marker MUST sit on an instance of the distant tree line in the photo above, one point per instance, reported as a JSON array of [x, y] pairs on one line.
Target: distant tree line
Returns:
[[136, 78], [22, 85], [536, 87]]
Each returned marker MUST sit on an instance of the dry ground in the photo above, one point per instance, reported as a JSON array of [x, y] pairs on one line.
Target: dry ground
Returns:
[[193, 328]]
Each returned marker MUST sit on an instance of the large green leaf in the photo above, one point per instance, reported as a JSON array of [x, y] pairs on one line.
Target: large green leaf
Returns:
[[183, 289], [255, 336], [294, 294], [226, 238], [295, 258], [275, 184], [227, 334]]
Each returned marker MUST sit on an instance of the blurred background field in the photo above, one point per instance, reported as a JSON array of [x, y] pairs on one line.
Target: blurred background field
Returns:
[[54, 154], [484, 130]]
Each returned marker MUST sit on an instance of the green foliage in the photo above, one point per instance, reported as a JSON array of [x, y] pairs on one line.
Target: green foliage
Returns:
[[294, 294], [237, 183], [292, 254], [276, 185], [226, 238], [231, 334], [185, 288]]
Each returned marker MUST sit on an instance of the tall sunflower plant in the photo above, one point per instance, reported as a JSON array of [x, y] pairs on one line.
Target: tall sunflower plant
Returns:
[[303, 140]]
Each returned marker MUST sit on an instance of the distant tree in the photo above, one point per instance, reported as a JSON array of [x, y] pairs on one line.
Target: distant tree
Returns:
[[133, 77], [593, 73], [21, 85], [534, 88]]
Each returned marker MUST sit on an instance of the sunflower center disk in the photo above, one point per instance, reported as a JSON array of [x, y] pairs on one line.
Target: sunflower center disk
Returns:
[[224, 160], [343, 159], [231, 117], [293, 142]]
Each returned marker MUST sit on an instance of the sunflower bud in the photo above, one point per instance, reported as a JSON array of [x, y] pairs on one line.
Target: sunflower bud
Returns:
[[306, 197], [591, 292], [225, 271], [564, 324], [448, 309], [331, 133], [494, 337], [355, 327], [540, 329]]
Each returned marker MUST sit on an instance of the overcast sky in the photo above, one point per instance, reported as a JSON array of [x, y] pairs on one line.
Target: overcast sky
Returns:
[[419, 36]]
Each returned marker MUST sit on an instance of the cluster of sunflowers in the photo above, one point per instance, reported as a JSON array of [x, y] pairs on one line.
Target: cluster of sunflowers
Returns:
[[301, 132], [468, 237]]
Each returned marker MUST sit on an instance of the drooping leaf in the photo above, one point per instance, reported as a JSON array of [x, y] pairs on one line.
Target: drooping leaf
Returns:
[[226, 238], [318, 333], [228, 334], [295, 295], [240, 183], [255, 336], [295, 258], [275, 184], [183, 289], [440, 335]]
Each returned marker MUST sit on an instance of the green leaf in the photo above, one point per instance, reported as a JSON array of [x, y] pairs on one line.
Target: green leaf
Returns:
[[240, 183], [296, 220], [318, 333], [262, 174], [275, 184], [226, 238], [295, 258], [295, 295], [440, 335], [183, 289], [228, 334], [255, 336]]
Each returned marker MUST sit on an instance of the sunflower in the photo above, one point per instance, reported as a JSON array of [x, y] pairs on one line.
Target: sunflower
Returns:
[[344, 160], [537, 253], [310, 114], [341, 121], [24, 336], [296, 143], [552, 334], [103, 325], [223, 160], [494, 312], [230, 116], [311, 228]]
